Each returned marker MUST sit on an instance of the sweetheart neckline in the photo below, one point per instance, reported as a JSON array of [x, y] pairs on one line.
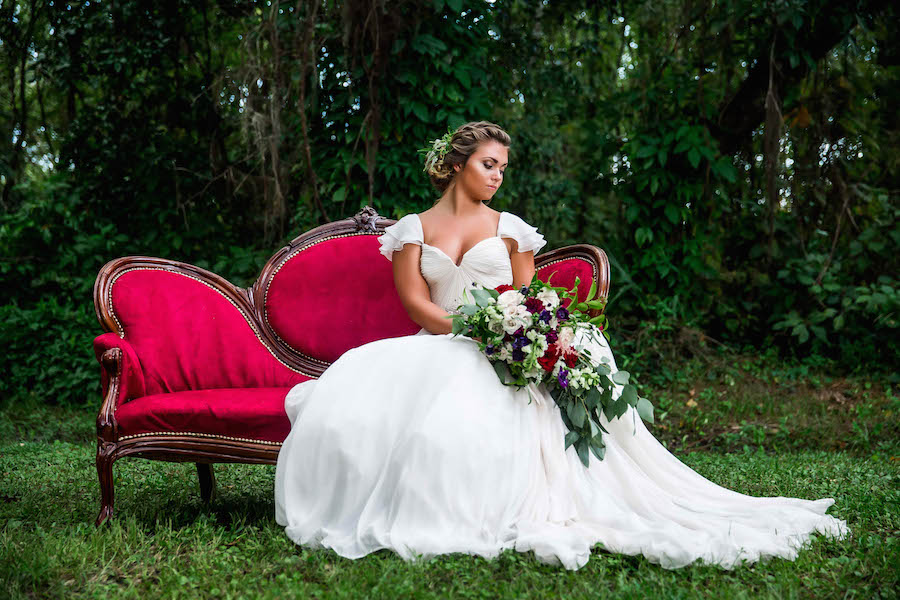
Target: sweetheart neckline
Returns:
[[463, 255], [466, 253]]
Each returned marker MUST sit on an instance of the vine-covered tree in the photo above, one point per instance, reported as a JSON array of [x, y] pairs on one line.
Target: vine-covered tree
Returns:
[[737, 159]]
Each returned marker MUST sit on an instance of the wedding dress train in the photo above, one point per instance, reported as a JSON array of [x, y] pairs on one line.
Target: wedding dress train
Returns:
[[414, 445]]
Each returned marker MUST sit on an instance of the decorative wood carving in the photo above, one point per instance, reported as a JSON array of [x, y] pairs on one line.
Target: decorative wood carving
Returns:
[[204, 450]]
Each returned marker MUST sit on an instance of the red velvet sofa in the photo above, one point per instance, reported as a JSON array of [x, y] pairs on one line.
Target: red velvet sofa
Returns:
[[197, 369]]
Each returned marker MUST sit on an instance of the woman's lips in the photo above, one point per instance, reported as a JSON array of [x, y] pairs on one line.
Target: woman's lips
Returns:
[[493, 187]]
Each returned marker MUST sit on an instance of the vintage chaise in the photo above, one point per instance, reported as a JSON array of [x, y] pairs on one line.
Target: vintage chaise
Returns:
[[197, 369]]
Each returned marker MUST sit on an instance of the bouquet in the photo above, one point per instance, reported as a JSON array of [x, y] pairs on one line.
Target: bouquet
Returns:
[[529, 337]]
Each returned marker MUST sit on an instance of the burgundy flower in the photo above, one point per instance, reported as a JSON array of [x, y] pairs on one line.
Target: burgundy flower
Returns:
[[504, 288], [552, 336], [533, 305], [548, 360], [571, 357]]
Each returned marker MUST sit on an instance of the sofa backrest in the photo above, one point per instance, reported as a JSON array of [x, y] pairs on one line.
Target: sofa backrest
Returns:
[[328, 291]]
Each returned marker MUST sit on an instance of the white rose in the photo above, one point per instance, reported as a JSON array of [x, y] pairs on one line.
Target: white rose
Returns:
[[511, 324], [510, 298]]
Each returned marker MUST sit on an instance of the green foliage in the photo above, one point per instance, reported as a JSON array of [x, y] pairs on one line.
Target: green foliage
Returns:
[[48, 355], [188, 131]]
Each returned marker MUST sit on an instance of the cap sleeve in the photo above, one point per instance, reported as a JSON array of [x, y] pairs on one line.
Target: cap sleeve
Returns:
[[408, 230], [527, 237]]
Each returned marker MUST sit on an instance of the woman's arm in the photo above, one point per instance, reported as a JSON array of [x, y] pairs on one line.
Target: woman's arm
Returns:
[[414, 292], [522, 265]]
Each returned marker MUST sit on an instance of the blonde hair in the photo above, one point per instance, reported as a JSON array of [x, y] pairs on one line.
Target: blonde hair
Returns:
[[463, 144]]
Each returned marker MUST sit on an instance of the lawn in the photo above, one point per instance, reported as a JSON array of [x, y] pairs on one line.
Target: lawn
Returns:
[[795, 433]]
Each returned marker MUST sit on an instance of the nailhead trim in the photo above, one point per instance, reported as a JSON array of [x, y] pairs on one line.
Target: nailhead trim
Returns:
[[243, 314], [206, 435], [265, 310]]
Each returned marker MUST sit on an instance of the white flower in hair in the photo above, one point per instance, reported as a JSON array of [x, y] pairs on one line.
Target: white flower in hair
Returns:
[[439, 149]]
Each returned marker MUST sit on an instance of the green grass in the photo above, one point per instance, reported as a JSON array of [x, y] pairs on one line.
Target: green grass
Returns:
[[164, 543]]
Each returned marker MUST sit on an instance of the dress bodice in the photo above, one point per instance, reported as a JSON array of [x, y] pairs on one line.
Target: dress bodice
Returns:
[[487, 263]]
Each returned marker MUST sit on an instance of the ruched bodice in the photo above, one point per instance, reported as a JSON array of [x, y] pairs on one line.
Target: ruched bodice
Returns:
[[486, 263]]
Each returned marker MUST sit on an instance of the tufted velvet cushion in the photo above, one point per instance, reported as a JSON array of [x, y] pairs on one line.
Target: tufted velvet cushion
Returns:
[[252, 413], [565, 273], [188, 336], [334, 296]]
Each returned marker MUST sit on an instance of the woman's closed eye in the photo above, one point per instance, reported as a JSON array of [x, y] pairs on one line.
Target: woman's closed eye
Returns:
[[489, 166]]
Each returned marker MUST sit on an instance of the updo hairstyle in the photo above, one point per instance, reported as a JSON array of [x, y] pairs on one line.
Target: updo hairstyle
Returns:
[[463, 144]]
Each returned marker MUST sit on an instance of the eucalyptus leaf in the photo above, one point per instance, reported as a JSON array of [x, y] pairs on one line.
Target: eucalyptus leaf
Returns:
[[629, 395], [581, 447], [482, 297], [502, 370], [645, 410], [598, 451], [571, 438], [576, 413], [620, 407], [621, 377], [459, 325], [592, 398], [468, 309]]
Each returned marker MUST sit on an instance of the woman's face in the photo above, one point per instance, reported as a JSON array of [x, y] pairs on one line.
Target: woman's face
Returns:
[[483, 173]]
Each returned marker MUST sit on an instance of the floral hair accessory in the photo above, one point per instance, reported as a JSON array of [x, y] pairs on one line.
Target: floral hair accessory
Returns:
[[436, 152]]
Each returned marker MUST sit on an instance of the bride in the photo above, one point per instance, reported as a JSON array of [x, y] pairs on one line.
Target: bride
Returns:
[[413, 444]]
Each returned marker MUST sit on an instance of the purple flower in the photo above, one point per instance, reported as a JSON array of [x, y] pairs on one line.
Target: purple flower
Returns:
[[563, 378], [520, 331], [545, 316], [489, 349], [524, 290], [518, 355], [562, 314], [552, 336], [519, 341]]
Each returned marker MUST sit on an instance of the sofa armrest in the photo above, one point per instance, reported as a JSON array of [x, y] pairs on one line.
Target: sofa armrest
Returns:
[[121, 369]]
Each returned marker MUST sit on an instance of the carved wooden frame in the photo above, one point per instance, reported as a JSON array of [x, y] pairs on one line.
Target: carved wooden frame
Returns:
[[206, 449]]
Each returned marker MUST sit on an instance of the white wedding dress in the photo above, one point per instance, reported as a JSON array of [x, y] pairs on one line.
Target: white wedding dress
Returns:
[[413, 444]]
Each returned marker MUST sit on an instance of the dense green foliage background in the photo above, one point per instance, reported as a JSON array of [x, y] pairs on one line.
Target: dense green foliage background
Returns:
[[737, 160]]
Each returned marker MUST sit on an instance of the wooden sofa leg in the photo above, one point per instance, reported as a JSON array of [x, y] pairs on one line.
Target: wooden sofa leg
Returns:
[[207, 482], [105, 459]]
